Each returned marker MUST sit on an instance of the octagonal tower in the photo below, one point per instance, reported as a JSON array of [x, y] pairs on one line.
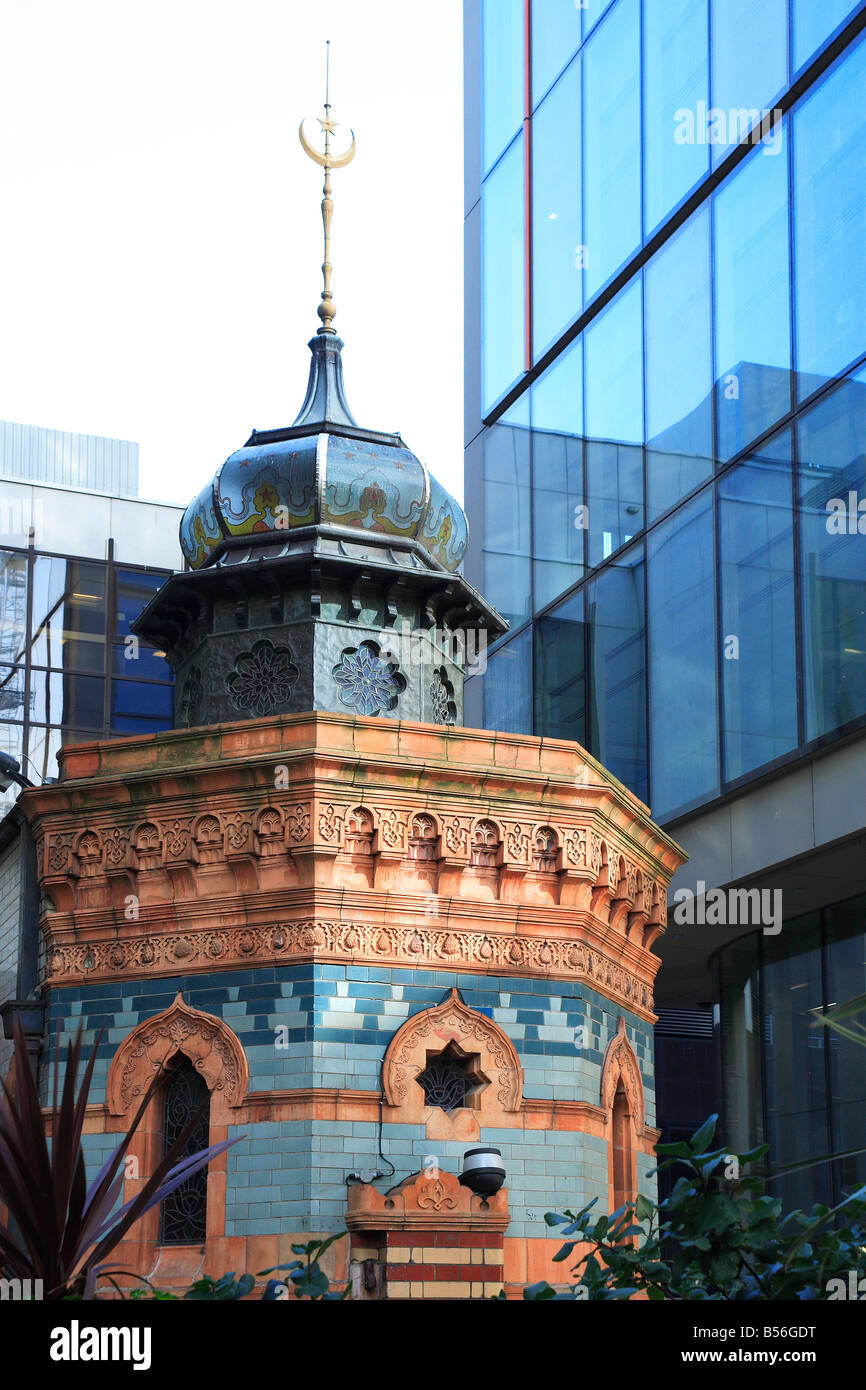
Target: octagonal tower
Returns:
[[368, 936]]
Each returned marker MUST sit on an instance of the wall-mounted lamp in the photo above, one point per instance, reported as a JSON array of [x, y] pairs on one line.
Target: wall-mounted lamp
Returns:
[[483, 1171]]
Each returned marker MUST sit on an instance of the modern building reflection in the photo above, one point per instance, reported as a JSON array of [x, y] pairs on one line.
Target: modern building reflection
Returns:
[[666, 456]]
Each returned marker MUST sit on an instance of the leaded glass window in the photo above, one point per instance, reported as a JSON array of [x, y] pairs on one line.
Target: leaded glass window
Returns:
[[444, 1085], [184, 1211], [452, 1079]]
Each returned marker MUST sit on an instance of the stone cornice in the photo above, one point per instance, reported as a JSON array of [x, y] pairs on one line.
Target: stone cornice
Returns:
[[323, 837], [397, 756]]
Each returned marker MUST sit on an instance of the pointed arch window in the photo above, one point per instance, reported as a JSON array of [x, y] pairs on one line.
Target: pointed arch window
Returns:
[[183, 1218]]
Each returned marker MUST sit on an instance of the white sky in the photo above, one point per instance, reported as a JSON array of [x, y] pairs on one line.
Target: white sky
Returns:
[[160, 231]]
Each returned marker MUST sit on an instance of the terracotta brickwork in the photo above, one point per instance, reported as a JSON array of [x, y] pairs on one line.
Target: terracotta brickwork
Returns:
[[376, 875], [431, 1237]]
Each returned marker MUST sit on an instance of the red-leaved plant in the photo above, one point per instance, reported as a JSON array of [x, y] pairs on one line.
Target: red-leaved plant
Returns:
[[58, 1229]]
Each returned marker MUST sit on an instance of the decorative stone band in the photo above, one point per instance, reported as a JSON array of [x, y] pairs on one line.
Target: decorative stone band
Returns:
[[497, 953], [348, 1107]]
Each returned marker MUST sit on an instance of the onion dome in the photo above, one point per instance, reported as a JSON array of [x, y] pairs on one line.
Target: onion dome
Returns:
[[324, 471]]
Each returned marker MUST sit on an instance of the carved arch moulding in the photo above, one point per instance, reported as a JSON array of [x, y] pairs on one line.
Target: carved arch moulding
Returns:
[[214, 1050], [453, 1027]]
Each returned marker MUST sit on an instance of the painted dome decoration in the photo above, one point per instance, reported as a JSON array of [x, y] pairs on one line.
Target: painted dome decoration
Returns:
[[326, 472]]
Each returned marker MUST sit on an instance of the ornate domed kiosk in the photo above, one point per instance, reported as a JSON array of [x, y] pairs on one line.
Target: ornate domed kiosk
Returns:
[[364, 937]]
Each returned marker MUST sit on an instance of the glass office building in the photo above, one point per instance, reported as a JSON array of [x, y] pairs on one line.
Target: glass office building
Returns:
[[666, 448], [80, 556], [68, 670]]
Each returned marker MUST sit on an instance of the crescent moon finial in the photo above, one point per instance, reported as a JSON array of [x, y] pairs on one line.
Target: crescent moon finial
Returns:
[[327, 161]]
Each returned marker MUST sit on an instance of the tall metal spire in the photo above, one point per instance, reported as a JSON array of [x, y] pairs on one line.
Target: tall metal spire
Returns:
[[328, 161]]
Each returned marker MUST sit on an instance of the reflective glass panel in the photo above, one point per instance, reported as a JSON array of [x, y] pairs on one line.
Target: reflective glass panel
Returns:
[[557, 262], [503, 275], [507, 512], [846, 979], [614, 424], [137, 707], [682, 658], [753, 324], [132, 658], [560, 673], [508, 687], [796, 1078], [830, 224], [738, 990], [42, 748], [12, 741], [69, 614], [502, 74], [832, 502], [616, 626], [67, 698], [611, 149], [750, 66], [559, 513], [13, 606], [756, 562], [679, 366], [555, 37], [12, 693], [676, 78], [814, 22]]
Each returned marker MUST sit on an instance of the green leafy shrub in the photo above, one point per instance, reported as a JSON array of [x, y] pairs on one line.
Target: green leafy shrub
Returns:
[[305, 1278], [716, 1236], [60, 1230]]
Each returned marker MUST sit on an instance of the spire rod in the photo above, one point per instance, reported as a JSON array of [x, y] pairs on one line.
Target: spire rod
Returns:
[[327, 309]]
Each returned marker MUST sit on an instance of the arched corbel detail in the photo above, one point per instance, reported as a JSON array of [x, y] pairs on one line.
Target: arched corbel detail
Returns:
[[621, 1065], [429, 1033]]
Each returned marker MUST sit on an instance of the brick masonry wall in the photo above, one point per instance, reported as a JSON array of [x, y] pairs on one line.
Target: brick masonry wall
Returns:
[[10, 912], [338, 1021]]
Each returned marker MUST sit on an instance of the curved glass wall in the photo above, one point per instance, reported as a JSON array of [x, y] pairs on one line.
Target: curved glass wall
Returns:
[[712, 414], [786, 1081], [629, 109]]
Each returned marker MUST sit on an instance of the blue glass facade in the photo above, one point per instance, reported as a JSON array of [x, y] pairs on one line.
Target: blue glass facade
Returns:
[[672, 393], [666, 489]]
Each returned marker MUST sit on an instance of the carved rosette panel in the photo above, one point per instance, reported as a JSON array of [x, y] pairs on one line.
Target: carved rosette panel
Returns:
[[393, 830], [263, 679], [517, 842], [298, 821], [366, 682], [455, 836]]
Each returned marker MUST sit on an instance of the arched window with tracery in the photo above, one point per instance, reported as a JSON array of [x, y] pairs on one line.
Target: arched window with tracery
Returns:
[[183, 1217]]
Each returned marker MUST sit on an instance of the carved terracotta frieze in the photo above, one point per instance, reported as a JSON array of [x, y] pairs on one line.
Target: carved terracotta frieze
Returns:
[[410, 946]]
